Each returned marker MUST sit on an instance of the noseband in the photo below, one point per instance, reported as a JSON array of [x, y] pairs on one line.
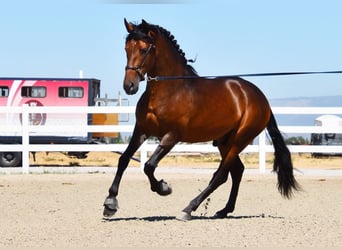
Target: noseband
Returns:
[[138, 68]]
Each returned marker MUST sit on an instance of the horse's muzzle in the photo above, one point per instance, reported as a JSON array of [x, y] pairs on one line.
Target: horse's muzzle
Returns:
[[131, 88]]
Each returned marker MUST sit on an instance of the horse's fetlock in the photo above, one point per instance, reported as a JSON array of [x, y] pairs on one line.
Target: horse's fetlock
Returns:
[[149, 168]]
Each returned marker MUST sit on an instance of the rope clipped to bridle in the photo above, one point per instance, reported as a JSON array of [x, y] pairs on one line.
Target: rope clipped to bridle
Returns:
[[165, 78]]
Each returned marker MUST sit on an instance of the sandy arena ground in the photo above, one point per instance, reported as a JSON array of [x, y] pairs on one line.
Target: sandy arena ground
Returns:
[[65, 210]]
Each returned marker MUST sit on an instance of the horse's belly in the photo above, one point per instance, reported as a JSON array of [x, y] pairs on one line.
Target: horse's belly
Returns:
[[204, 133]]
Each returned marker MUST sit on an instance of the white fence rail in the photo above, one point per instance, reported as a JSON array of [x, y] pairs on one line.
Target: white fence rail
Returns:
[[262, 147]]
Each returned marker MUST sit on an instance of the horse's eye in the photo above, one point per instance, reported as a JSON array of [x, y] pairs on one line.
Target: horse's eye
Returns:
[[143, 51]]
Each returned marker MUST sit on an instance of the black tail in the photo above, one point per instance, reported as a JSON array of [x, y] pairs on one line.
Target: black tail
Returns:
[[282, 161]]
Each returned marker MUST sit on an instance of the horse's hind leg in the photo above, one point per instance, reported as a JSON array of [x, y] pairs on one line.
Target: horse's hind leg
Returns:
[[229, 156], [236, 172], [219, 177]]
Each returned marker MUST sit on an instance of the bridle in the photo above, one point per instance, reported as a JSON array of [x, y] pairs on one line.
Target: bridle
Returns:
[[138, 68]]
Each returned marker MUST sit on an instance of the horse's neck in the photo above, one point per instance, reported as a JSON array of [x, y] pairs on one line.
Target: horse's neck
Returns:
[[169, 67], [169, 61]]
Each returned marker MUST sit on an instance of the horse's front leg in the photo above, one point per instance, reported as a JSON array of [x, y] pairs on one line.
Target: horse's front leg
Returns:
[[166, 144], [111, 203]]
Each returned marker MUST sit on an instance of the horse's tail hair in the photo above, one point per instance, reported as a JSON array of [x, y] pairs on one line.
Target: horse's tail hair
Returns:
[[282, 161]]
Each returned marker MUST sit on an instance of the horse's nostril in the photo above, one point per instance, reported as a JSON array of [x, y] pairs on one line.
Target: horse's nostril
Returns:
[[131, 87]]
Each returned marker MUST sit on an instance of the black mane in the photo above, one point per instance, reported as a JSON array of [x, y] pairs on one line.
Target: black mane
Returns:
[[140, 33]]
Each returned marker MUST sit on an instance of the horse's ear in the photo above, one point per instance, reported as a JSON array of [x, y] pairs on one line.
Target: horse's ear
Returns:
[[151, 34], [129, 26], [144, 23]]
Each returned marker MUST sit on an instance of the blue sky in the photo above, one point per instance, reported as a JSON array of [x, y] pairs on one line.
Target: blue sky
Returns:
[[59, 38]]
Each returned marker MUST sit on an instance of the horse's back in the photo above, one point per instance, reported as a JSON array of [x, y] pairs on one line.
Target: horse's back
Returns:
[[217, 106], [231, 97]]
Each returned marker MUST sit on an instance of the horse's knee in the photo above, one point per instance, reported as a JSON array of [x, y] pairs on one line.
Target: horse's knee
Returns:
[[123, 162]]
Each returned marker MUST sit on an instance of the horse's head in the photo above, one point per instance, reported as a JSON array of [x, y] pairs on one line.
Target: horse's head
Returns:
[[140, 51], [152, 50]]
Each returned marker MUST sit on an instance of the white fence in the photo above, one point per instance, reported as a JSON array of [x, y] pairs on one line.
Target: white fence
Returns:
[[262, 147]]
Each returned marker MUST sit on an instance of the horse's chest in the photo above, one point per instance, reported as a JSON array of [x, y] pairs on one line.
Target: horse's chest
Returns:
[[157, 124], [158, 117], [148, 121]]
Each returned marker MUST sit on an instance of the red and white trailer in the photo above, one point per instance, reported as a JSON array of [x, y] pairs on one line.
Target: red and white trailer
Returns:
[[50, 92]]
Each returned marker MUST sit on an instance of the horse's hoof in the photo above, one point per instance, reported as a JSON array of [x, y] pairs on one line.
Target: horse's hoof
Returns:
[[163, 188], [107, 212], [220, 214], [110, 207], [184, 217]]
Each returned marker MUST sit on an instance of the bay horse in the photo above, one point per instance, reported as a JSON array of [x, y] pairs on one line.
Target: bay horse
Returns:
[[229, 111]]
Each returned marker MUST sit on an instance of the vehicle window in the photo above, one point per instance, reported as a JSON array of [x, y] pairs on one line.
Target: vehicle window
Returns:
[[70, 92], [33, 91], [4, 91]]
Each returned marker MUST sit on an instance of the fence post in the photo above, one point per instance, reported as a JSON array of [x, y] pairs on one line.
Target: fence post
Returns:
[[143, 156], [25, 139], [262, 152]]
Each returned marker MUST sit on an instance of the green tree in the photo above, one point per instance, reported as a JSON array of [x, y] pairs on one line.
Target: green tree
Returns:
[[297, 140]]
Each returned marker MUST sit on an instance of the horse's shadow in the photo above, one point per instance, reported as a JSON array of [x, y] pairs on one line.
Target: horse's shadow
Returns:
[[171, 218]]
